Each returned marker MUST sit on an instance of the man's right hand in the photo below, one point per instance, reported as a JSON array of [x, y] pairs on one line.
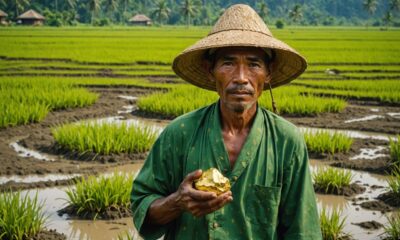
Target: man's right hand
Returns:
[[186, 198], [199, 203]]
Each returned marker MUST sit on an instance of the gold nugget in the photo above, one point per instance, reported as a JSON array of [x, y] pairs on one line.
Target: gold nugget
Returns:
[[213, 181]]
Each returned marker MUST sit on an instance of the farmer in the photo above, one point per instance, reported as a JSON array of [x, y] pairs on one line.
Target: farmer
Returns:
[[263, 155]]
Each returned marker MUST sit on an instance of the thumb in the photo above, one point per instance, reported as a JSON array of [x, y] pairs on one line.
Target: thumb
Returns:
[[193, 176]]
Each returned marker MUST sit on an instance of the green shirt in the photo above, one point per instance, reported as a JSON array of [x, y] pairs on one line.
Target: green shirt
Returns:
[[273, 196]]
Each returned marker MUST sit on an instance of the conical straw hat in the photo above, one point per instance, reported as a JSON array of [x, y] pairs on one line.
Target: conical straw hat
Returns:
[[239, 26]]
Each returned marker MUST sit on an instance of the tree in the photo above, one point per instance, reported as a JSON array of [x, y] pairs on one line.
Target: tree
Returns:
[[387, 18], [370, 7], [189, 8], [263, 10], [94, 6], [110, 6], [161, 11], [296, 14], [394, 5], [19, 5]]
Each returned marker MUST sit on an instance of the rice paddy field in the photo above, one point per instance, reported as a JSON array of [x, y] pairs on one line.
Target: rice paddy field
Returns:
[[80, 107]]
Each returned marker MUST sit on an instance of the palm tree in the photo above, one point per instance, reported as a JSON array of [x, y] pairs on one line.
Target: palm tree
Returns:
[[19, 5], [370, 7], [94, 6], [71, 3], [263, 10], [394, 5], [296, 14], [111, 6], [190, 8], [161, 11], [387, 18]]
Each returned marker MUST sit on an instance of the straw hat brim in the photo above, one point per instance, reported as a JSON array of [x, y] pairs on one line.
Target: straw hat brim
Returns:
[[286, 66]]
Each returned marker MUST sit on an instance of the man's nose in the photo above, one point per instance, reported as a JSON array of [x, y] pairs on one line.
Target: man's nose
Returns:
[[242, 74]]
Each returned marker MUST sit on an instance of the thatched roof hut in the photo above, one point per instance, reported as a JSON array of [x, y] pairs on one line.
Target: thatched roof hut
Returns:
[[140, 19], [3, 16], [31, 17]]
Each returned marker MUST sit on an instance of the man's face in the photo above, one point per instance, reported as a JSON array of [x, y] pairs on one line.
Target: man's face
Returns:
[[240, 74]]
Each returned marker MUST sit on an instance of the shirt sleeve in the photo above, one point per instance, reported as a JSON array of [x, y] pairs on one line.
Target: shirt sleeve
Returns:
[[156, 179], [298, 217]]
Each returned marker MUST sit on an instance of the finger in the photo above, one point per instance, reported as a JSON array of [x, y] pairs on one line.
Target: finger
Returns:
[[193, 176], [199, 195], [216, 203]]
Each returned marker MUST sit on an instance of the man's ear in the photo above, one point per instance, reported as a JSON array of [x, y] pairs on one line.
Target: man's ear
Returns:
[[208, 68]]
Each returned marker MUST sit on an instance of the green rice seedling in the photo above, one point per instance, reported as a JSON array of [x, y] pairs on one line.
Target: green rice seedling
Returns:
[[21, 217], [394, 148], [331, 179], [96, 195], [392, 229], [332, 225], [125, 236], [394, 182], [325, 142], [104, 138]]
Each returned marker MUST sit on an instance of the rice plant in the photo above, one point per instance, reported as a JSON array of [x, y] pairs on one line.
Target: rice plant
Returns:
[[331, 179], [104, 138], [394, 148], [96, 195], [394, 182], [392, 229], [325, 142], [332, 225], [21, 217]]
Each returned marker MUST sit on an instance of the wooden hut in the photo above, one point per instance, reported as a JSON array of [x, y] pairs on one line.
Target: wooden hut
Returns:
[[140, 20], [31, 17], [3, 16]]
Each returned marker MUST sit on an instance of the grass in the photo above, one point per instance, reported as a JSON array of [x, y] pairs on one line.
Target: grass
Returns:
[[20, 216], [96, 195], [392, 229], [394, 149], [394, 182], [184, 98], [332, 225], [104, 138], [26, 100], [331, 179], [326, 142]]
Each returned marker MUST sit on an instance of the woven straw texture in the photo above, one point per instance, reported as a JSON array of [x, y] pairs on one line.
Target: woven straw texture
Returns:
[[239, 26]]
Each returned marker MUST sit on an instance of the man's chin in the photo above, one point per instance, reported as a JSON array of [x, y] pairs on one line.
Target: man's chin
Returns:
[[240, 107]]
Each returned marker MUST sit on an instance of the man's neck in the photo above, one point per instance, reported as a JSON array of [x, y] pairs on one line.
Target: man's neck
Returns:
[[237, 122]]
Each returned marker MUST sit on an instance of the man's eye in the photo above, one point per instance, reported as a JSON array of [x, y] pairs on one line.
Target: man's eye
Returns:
[[255, 65], [227, 63]]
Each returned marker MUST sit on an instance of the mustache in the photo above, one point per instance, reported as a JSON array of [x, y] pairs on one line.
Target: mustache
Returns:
[[241, 89]]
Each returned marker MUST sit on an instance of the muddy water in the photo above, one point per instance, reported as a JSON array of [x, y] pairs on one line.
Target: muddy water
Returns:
[[351, 209], [350, 133], [37, 178]]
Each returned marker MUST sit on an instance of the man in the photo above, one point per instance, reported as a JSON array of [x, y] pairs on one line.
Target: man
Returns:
[[263, 155]]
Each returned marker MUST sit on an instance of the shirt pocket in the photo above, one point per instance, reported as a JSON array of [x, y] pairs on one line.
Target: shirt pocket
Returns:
[[262, 205]]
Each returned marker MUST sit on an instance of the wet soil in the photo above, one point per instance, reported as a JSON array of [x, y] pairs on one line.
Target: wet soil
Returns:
[[112, 213], [49, 235], [390, 199], [371, 225], [377, 206], [38, 137], [348, 191]]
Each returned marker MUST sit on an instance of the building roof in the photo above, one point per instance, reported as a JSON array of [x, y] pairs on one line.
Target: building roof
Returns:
[[139, 18], [3, 14], [31, 14]]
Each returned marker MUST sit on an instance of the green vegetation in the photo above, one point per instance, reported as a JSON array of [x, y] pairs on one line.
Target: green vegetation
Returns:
[[332, 225], [20, 216], [29, 100], [331, 179], [104, 138], [394, 148], [392, 230], [326, 142], [394, 182], [96, 195], [183, 99]]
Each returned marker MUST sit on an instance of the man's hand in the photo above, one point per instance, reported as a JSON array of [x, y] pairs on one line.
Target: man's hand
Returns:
[[186, 198], [199, 203]]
